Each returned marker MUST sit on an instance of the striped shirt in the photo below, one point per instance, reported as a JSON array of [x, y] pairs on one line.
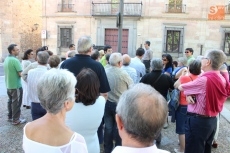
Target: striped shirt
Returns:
[[33, 76], [198, 88]]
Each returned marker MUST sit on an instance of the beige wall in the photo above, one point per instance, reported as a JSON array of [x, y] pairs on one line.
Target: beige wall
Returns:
[[198, 30], [17, 20]]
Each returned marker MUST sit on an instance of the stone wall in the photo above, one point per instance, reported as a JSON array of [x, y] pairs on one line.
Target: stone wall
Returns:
[[198, 30], [18, 18]]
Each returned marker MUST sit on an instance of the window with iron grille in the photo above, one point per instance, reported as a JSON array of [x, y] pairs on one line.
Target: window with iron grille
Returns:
[[65, 37], [66, 6], [175, 6], [173, 39], [227, 43]]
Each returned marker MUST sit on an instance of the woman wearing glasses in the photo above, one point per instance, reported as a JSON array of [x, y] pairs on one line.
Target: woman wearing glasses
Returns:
[[167, 64], [28, 55]]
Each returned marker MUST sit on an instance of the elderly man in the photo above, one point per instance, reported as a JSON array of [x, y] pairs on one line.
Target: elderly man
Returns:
[[131, 71], [34, 64], [12, 70], [83, 60], [119, 81], [141, 112], [205, 96], [137, 64], [33, 76], [71, 48], [161, 82]]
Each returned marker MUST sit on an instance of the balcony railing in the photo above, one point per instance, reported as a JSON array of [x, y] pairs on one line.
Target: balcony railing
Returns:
[[171, 8], [227, 9], [65, 7], [111, 9]]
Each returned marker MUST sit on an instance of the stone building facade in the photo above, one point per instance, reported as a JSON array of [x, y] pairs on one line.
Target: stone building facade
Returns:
[[170, 25], [20, 23]]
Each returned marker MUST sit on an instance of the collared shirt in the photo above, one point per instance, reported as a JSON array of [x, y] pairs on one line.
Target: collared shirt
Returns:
[[12, 67], [33, 76], [152, 149], [198, 88], [138, 66], [131, 72], [119, 81], [148, 54]]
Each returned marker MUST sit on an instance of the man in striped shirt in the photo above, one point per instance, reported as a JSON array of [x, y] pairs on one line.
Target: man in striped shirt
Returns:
[[205, 96]]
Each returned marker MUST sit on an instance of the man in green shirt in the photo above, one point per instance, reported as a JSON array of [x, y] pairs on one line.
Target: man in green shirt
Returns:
[[108, 50], [189, 55], [12, 70]]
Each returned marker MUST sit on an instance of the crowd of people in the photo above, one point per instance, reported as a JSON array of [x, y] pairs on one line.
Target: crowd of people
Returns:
[[97, 99]]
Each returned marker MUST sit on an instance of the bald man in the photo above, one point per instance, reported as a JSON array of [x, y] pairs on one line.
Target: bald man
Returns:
[[131, 71], [149, 109]]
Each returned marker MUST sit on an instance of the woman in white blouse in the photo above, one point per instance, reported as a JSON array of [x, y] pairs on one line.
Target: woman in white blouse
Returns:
[[56, 91], [87, 112], [28, 55]]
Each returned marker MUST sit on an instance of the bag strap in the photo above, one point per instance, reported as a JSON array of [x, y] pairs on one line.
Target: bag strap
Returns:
[[157, 79]]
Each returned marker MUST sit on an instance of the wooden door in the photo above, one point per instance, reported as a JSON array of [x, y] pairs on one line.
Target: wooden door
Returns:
[[111, 38]]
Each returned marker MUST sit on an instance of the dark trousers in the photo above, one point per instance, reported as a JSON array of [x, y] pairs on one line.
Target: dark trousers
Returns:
[[37, 111], [14, 103], [199, 134], [100, 132], [110, 127], [147, 65]]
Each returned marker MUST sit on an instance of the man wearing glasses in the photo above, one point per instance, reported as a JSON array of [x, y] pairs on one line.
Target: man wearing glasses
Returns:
[[210, 90], [189, 55]]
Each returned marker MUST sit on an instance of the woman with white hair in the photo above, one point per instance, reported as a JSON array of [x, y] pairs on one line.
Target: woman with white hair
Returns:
[[182, 66], [56, 92]]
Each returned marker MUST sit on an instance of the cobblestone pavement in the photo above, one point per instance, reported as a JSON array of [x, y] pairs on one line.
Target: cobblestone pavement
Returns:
[[11, 136]]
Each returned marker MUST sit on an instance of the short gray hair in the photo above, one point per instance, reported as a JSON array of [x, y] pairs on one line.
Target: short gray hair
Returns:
[[72, 53], [143, 111], [217, 58], [156, 64], [183, 61], [84, 44], [115, 58], [54, 88], [42, 57]]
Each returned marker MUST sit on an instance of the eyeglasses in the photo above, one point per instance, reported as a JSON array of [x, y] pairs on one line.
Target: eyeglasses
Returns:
[[204, 58], [186, 52], [164, 59]]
